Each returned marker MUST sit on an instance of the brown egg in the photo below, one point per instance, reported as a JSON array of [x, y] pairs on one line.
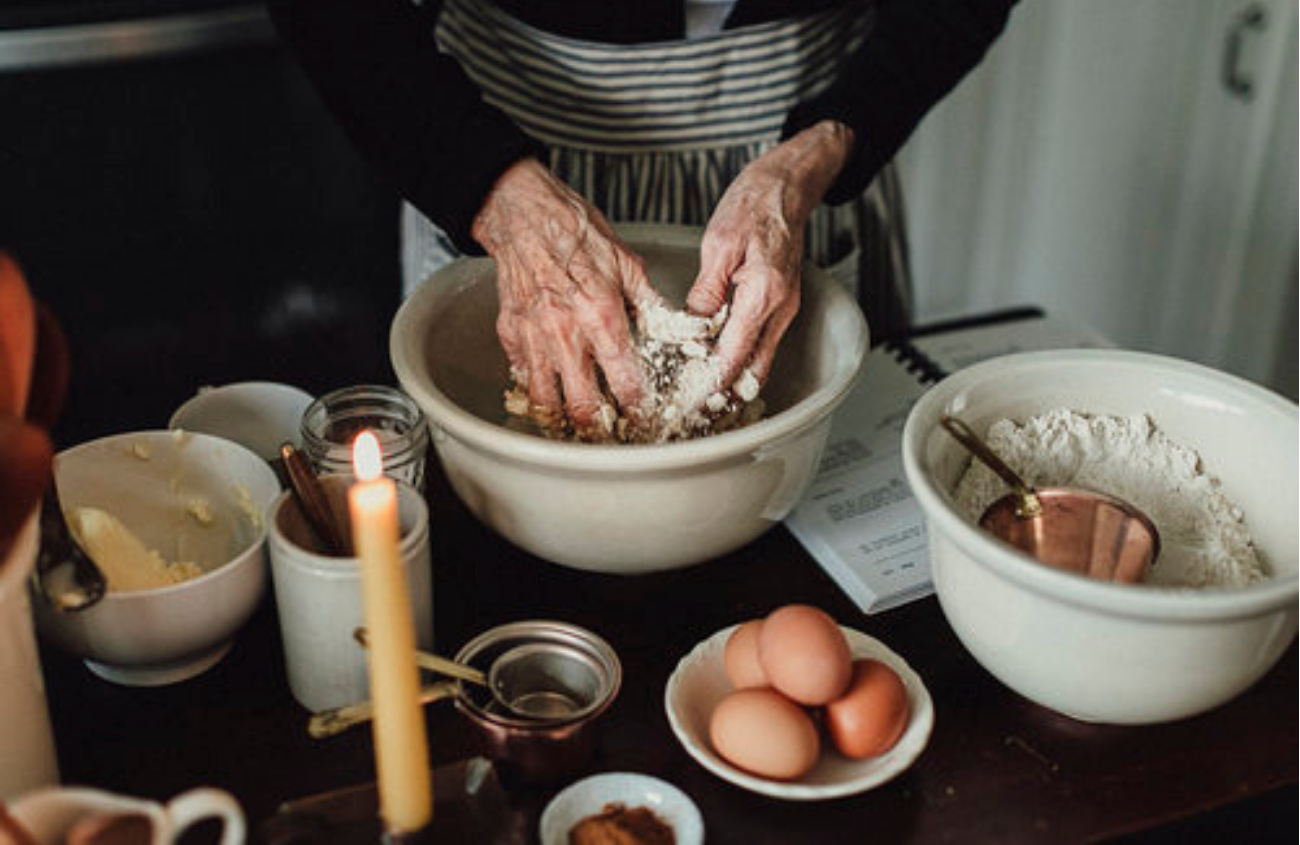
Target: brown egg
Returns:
[[740, 657], [870, 717], [765, 733], [805, 654]]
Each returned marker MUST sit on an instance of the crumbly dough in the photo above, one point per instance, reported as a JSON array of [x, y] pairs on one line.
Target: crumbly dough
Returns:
[[683, 400]]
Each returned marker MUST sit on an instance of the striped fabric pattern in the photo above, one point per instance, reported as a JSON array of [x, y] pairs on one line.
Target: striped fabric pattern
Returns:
[[733, 88], [655, 133]]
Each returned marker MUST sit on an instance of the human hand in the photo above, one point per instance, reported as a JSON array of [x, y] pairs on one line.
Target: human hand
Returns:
[[752, 249], [565, 280]]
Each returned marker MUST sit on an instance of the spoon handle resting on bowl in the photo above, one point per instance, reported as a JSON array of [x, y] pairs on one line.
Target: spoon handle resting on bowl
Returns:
[[434, 663], [68, 579], [1028, 505], [333, 722]]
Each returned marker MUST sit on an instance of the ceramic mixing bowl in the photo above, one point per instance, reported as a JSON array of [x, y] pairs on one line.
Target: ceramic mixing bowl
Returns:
[[1105, 652], [189, 497], [625, 508]]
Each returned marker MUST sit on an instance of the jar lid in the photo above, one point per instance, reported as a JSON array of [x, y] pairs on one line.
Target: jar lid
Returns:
[[259, 415]]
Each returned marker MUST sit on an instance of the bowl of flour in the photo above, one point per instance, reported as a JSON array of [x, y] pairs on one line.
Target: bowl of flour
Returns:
[[1210, 458], [626, 507]]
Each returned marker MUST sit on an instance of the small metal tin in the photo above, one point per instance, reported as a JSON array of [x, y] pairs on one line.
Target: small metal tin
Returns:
[[547, 681], [577, 671]]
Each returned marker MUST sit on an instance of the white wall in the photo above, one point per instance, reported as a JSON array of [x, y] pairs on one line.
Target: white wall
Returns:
[[1096, 165]]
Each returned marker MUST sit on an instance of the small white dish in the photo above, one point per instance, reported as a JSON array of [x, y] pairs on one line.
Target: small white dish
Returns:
[[590, 796], [700, 681], [258, 415]]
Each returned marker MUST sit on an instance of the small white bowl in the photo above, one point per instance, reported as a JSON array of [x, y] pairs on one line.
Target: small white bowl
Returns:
[[259, 415], [623, 509], [700, 681], [1097, 651], [590, 795], [153, 481]]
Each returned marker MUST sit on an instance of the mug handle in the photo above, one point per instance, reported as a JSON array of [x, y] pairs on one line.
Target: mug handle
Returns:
[[194, 806]]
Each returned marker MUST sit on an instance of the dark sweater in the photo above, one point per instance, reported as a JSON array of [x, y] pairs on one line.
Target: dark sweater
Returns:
[[415, 115]]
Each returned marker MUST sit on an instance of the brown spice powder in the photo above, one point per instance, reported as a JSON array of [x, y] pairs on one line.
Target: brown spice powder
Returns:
[[618, 824]]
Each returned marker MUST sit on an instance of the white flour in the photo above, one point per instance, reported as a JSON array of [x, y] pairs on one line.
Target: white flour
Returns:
[[683, 399], [1203, 536]]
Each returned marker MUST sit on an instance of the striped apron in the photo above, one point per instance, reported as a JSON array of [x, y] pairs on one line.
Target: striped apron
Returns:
[[654, 133]]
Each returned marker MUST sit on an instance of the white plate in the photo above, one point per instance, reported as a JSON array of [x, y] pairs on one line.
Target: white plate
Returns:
[[700, 682], [258, 415], [590, 795]]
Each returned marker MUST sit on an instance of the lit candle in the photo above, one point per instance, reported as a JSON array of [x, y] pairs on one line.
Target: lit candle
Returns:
[[401, 748]]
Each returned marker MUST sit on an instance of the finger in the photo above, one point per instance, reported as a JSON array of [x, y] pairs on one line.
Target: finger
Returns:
[[713, 281], [604, 323], [543, 379], [635, 283], [582, 397], [750, 311], [512, 343], [618, 360], [764, 355], [512, 317], [559, 325]]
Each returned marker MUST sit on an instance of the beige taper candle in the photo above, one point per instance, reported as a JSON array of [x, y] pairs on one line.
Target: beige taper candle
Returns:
[[401, 745]]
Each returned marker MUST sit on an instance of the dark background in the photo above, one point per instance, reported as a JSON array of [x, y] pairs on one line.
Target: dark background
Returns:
[[191, 219]]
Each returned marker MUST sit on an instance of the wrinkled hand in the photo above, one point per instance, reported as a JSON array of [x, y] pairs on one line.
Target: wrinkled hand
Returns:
[[752, 249], [565, 280]]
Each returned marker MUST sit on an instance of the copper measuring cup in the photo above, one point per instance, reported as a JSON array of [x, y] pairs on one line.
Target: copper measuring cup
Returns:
[[1083, 531]]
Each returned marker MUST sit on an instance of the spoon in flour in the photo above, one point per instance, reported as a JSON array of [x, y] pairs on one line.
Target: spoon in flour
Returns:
[[1084, 531]]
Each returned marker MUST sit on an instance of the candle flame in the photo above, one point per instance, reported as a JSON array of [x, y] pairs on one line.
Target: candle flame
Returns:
[[367, 462]]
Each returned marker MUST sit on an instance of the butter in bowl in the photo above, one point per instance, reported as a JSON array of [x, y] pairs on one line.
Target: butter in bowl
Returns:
[[175, 520]]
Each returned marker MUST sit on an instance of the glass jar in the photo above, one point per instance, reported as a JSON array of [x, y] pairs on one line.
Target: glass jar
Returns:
[[331, 422]]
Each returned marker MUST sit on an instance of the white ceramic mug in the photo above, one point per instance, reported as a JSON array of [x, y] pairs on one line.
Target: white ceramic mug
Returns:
[[318, 596], [50, 814], [27, 758]]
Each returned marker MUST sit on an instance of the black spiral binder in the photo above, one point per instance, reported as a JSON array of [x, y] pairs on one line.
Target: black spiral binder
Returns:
[[914, 361], [922, 366]]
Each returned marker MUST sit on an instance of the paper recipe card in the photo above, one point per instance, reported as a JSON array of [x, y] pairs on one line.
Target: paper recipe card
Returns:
[[859, 520]]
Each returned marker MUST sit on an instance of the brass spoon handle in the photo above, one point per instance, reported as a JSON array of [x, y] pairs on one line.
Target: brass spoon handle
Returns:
[[972, 441], [434, 663], [333, 722]]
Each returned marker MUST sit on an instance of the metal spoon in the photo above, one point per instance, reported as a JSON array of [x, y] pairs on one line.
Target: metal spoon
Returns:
[[68, 578], [518, 693], [1084, 531]]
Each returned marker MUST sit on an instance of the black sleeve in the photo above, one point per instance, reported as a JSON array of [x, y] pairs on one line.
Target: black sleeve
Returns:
[[409, 109], [917, 51]]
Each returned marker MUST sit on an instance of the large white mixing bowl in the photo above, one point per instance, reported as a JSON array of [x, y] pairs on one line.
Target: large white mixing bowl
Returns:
[[630, 508], [1099, 651]]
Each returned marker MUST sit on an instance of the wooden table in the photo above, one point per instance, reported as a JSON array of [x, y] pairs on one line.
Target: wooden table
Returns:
[[997, 769]]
